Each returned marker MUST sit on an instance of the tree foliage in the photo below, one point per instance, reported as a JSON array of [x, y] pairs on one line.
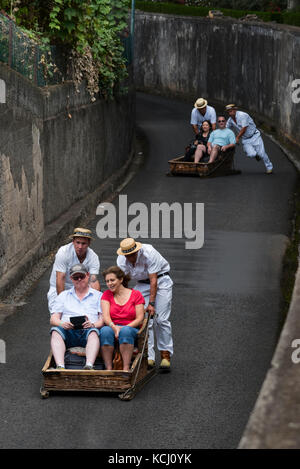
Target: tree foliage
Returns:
[[91, 30]]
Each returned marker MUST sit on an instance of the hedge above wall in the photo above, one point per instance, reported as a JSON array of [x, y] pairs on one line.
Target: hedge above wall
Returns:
[[178, 9]]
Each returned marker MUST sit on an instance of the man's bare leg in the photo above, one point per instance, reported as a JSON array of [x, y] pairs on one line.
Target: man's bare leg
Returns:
[[214, 153]]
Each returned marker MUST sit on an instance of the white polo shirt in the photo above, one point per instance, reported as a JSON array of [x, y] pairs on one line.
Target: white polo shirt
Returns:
[[68, 303], [197, 118], [243, 120], [149, 261], [66, 257]]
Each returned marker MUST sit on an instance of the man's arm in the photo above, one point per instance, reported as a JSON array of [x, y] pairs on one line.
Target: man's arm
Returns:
[[153, 291], [55, 320], [60, 281], [240, 134], [195, 128], [231, 140], [213, 119], [194, 121], [94, 282], [226, 147]]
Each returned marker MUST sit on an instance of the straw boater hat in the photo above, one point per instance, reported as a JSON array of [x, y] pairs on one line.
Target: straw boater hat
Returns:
[[200, 103], [81, 233], [128, 246], [230, 106]]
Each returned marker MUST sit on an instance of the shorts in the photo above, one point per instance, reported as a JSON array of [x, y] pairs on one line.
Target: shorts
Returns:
[[74, 338], [127, 335]]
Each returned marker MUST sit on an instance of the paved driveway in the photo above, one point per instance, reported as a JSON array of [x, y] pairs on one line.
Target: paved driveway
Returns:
[[226, 312]]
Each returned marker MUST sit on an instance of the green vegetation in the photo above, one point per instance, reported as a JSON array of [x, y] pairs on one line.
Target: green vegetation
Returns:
[[290, 261], [88, 31], [284, 17]]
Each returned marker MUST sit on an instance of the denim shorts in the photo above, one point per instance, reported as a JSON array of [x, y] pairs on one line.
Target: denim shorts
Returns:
[[127, 335], [74, 337]]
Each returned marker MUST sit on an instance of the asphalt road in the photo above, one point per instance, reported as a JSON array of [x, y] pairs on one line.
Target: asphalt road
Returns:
[[226, 312]]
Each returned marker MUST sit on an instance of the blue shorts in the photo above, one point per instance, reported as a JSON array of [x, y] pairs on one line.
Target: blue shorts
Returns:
[[127, 335], [74, 338]]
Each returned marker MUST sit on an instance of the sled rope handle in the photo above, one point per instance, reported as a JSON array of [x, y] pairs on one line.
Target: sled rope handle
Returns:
[[141, 357]]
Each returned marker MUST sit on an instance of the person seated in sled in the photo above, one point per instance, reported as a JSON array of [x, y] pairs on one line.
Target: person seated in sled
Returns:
[[197, 149], [221, 139], [123, 313], [202, 139], [80, 300]]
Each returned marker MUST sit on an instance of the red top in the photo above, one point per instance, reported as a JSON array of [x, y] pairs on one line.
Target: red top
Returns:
[[123, 314]]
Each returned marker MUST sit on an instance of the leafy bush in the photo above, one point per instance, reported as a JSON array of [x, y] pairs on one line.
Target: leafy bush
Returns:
[[89, 30], [292, 18]]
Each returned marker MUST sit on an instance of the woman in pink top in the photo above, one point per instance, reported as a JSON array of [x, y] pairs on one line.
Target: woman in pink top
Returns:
[[123, 313]]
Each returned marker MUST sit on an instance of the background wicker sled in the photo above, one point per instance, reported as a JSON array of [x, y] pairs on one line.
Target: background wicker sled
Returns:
[[115, 381], [224, 165]]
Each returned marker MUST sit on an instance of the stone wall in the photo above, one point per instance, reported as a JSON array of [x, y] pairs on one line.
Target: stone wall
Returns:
[[255, 65], [56, 148]]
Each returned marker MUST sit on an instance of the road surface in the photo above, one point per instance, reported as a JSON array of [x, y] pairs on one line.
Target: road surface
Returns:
[[226, 311]]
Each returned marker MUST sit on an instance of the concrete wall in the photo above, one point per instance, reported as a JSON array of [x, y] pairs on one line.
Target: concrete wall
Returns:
[[56, 148], [254, 65]]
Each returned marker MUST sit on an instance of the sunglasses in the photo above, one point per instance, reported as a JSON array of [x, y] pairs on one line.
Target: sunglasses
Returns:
[[223, 120], [78, 277]]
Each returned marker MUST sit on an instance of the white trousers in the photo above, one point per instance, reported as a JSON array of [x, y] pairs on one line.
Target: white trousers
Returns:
[[255, 146], [160, 325], [51, 295]]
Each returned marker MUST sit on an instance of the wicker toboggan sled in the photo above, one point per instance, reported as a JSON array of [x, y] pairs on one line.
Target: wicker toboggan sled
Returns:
[[224, 165], [126, 384]]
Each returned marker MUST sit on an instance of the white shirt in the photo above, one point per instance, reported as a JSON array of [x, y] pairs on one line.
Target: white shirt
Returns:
[[197, 118], [149, 261], [68, 303], [243, 120], [66, 257]]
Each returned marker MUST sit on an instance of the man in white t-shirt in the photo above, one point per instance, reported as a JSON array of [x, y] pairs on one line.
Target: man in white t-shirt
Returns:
[[248, 133], [76, 252], [150, 270], [202, 112]]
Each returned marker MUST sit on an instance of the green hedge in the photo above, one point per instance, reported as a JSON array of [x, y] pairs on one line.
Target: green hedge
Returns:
[[292, 18], [178, 9], [172, 8]]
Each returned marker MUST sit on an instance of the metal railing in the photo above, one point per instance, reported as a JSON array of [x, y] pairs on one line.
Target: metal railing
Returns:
[[24, 55]]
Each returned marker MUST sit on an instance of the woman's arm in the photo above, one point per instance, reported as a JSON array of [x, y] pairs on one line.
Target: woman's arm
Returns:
[[140, 314], [105, 306]]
